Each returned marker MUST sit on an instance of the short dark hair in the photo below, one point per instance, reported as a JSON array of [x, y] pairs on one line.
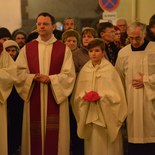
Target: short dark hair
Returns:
[[102, 26], [47, 14], [97, 42], [4, 32], [152, 21]]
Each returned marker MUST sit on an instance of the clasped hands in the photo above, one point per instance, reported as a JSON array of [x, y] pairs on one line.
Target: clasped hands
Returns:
[[41, 78], [138, 81]]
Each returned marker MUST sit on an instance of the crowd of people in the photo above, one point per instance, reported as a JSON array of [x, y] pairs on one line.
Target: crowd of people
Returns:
[[78, 93]]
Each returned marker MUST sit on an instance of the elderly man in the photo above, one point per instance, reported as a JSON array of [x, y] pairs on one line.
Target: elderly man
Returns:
[[136, 66], [7, 79], [121, 23], [46, 78]]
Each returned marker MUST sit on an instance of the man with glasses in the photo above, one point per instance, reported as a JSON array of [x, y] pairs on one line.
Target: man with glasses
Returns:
[[121, 23], [106, 32], [136, 66], [46, 78]]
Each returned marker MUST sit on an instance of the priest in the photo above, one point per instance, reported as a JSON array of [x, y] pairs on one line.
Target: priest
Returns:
[[46, 78]]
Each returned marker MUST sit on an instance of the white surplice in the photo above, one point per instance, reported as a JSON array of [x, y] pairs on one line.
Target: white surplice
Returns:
[[61, 86], [99, 123], [141, 102], [7, 78]]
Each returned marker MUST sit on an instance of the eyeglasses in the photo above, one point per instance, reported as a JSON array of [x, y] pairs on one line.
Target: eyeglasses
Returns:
[[135, 38], [44, 24], [116, 33], [122, 25]]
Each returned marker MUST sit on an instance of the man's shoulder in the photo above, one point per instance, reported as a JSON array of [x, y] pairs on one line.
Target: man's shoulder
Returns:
[[151, 42], [59, 46], [31, 43], [151, 45], [57, 42], [125, 51]]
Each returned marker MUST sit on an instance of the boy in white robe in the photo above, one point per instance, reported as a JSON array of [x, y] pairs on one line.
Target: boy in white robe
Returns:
[[7, 79], [99, 104]]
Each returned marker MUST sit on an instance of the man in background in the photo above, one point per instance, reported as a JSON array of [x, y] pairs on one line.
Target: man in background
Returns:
[[106, 32], [69, 23], [121, 23], [19, 37]]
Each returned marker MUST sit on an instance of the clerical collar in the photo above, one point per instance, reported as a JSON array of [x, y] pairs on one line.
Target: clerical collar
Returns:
[[141, 48]]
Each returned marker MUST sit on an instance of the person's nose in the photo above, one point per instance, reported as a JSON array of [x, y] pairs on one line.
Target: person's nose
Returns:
[[93, 53], [134, 41]]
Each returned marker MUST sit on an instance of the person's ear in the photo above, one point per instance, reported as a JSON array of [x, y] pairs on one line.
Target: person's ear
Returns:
[[53, 26], [102, 34]]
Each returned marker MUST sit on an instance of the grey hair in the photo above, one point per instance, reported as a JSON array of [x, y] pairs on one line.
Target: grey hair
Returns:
[[121, 19], [134, 25]]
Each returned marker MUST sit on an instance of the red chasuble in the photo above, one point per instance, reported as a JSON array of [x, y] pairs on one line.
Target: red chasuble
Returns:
[[52, 128]]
